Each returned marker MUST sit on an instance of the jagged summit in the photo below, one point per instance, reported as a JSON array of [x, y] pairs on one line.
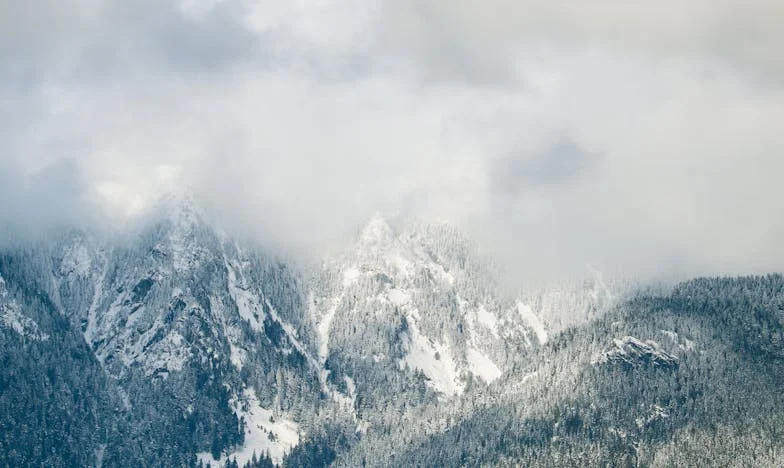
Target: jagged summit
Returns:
[[418, 296], [182, 207], [377, 232]]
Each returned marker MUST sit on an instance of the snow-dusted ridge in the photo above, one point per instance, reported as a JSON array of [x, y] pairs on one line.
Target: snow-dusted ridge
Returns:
[[431, 278]]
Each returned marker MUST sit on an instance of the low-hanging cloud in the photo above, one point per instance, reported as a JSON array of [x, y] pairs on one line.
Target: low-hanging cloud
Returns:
[[643, 138]]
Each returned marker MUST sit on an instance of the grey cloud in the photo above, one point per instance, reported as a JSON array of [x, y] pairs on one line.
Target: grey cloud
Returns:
[[741, 33], [560, 163], [88, 41], [159, 30], [426, 33], [117, 44], [56, 195], [297, 124]]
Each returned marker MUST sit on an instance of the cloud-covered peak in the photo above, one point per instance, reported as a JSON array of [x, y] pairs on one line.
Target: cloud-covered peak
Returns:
[[377, 233], [645, 138]]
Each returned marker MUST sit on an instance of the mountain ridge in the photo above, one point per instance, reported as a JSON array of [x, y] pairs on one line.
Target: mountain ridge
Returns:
[[398, 341]]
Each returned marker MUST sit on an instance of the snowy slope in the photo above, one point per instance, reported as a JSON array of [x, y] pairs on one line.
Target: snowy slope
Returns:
[[174, 302], [12, 317], [421, 296], [174, 285], [265, 433]]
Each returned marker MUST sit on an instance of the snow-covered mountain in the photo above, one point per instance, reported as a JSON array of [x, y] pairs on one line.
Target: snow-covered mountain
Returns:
[[175, 305], [245, 354], [175, 287], [419, 297]]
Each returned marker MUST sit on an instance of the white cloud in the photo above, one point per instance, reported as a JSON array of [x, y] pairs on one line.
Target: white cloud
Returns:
[[641, 136], [745, 33]]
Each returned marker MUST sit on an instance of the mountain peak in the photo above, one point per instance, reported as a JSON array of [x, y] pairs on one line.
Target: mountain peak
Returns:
[[377, 232], [181, 208], [178, 200]]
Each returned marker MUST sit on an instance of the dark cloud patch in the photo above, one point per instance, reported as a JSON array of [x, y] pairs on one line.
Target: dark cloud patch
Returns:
[[561, 163], [121, 40], [56, 195], [161, 34]]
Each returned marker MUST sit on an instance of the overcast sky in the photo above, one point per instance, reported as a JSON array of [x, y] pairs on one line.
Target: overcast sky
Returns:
[[645, 137]]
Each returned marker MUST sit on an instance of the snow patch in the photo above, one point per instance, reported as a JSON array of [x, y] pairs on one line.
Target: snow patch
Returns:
[[350, 386], [323, 333], [398, 297], [265, 432], [533, 321], [237, 355], [248, 304], [482, 366], [350, 276], [434, 360], [488, 319]]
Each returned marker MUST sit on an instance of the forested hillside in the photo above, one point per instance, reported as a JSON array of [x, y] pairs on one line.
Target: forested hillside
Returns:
[[704, 388]]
